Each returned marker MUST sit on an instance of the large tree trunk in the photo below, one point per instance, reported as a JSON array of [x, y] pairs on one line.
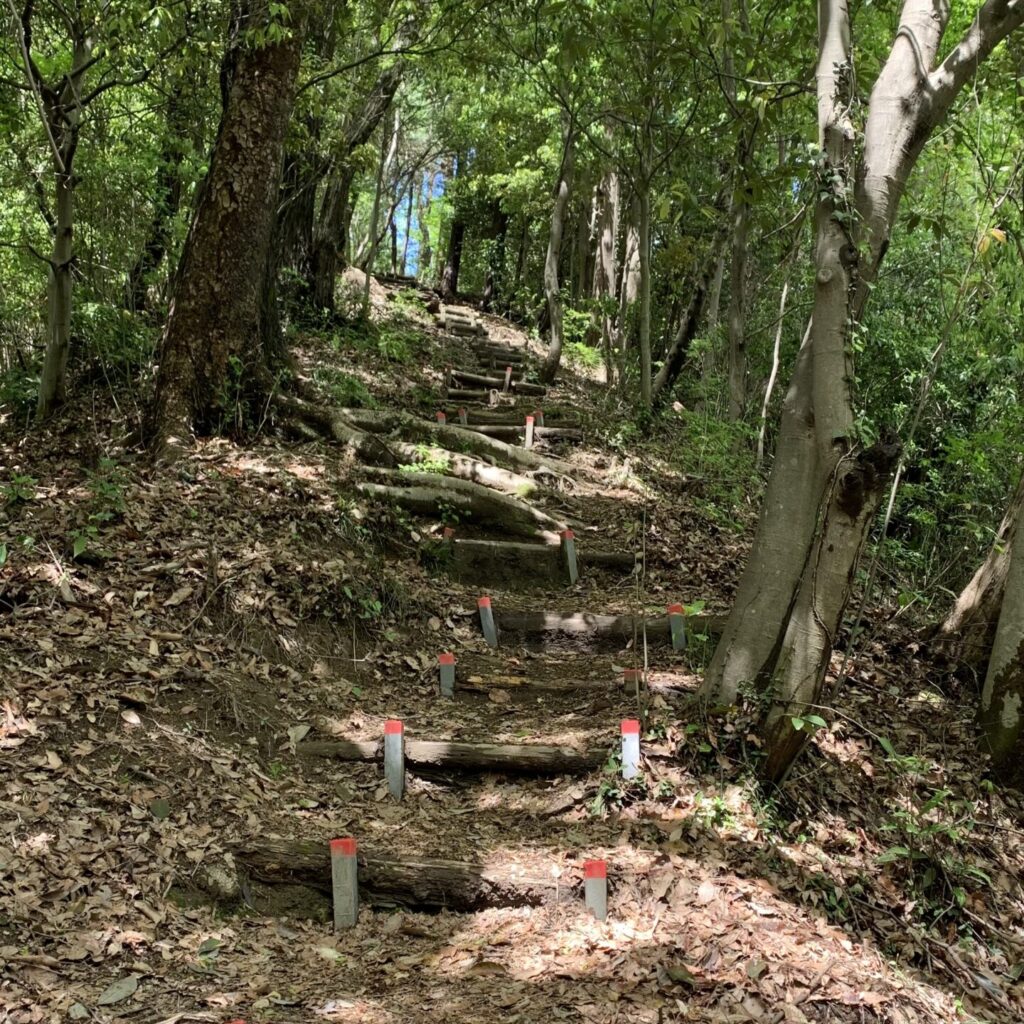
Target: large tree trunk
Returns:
[[213, 327], [970, 628], [629, 284], [824, 488], [552, 293], [1002, 696]]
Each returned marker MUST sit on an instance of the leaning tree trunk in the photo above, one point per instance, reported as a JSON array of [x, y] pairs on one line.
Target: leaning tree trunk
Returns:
[[824, 488], [1001, 710], [331, 228], [213, 328], [552, 293], [970, 628]]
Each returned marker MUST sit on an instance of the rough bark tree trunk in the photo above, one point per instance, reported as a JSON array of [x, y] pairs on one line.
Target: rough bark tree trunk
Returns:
[[604, 263], [629, 285], [213, 326], [645, 294], [738, 291], [552, 294], [824, 488]]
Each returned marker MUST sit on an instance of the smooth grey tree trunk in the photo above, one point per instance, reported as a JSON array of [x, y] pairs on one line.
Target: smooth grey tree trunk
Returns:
[[824, 487]]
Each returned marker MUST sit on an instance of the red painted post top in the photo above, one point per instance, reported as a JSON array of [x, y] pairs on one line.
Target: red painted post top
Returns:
[[393, 727], [529, 420], [462, 412], [675, 609], [568, 535], [538, 412], [448, 533], [508, 369], [632, 674], [595, 869], [630, 726], [446, 659], [343, 847], [441, 417], [484, 602]]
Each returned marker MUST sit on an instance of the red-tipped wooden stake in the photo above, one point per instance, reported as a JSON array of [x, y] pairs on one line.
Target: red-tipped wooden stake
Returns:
[[394, 757], [508, 378], [528, 442], [538, 416], [595, 888], [441, 417], [446, 666], [463, 418], [630, 748], [344, 882]]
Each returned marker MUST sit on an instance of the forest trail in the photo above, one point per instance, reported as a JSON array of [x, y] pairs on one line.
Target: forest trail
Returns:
[[216, 716]]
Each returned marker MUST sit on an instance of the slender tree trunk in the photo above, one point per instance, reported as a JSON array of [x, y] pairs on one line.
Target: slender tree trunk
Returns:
[[166, 203], [63, 114], [552, 293], [408, 228], [645, 294], [213, 326], [629, 285], [425, 256], [824, 488], [738, 294], [607, 229], [388, 151], [330, 235]]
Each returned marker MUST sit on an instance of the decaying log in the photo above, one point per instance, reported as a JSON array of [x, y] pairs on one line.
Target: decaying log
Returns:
[[568, 684], [429, 494], [506, 758], [409, 881], [516, 417]]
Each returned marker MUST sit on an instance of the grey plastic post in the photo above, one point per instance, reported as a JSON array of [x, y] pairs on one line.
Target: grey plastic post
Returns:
[[394, 757], [487, 621], [630, 748], [463, 418], [677, 624], [344, 883], [595, 888], [528, 443], [569, 553], [446, 665]]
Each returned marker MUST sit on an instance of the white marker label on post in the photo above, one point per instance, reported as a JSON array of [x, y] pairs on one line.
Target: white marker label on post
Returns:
[[344, 883], [595, 888], [630, 748], [394, 757], [529, 432]]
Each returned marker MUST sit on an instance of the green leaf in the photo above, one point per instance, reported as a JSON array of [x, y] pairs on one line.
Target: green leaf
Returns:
[[892, 854], [160, 808], [887, 746], [798, 723]]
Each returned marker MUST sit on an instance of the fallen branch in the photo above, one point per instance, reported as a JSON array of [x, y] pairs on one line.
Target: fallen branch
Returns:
[[603, 628], [335, 424], [510, 561]]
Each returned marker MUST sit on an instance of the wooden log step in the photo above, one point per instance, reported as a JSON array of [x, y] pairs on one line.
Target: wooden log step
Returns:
[[497, 383], [461, 396], [452, 755], [516, 417], [506, 431], [602, 628], [463, 377], [501, 561], [565, 684], [409, 881], [509, 355]]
